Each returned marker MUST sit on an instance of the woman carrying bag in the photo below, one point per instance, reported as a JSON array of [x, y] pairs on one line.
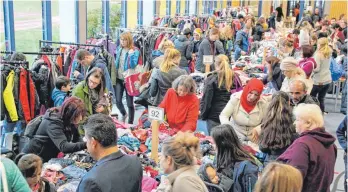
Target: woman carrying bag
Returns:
[[127, 57]]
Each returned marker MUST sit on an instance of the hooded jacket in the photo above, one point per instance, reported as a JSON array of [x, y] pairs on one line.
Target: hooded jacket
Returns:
[[82, 91], [58, 97], [160, 82], [342, 134], [185, 47], [50, 138], [314, 154]]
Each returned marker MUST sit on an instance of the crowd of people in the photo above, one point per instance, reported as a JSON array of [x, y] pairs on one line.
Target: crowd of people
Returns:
[[294, 151]]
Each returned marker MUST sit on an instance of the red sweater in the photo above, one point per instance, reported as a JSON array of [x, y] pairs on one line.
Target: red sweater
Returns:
[[182, 112]]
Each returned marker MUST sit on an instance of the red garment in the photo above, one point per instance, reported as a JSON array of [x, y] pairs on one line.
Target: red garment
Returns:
[[27, 97], [182, 112], [158, 41], [253, 85]]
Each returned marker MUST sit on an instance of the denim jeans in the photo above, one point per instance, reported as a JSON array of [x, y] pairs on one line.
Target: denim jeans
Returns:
[[119, 90], [319, 91], [344, 98], [9, 127], [211, 124]]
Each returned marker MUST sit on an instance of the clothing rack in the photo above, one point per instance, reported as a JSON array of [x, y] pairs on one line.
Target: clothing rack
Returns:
[[68, 43], [14, 62], [30, 53]]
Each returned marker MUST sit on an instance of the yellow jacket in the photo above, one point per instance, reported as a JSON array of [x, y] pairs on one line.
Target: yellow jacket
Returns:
[[9, 98]]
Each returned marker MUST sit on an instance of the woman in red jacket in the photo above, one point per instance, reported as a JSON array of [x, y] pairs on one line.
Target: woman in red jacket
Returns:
[[181, 105]]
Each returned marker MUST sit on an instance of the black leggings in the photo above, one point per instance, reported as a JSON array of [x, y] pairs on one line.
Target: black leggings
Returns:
[[119, 89], [319, 91]]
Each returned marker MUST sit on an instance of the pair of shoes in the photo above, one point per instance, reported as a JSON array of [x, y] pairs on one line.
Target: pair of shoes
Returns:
[[124, 117]]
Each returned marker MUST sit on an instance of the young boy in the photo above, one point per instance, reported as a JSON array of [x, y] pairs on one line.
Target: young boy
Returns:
[[61, 90]]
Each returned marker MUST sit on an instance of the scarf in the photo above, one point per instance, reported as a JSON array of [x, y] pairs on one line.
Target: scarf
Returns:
[[253, 85]]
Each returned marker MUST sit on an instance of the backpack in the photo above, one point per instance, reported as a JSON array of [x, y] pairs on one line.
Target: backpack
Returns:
[[245, 176], [32, 127], [335, 69]]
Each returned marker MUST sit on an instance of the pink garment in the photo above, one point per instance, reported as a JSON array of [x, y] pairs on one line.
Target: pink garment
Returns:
[[148, 184], [307, 65]]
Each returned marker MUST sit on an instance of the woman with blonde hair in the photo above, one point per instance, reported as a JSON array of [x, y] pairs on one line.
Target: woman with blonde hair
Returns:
[[321, 74], [273, 179], [292, 72], [217, 91], [314, 152], [161, 79], [127, 57], [178, 157], [159, 54]]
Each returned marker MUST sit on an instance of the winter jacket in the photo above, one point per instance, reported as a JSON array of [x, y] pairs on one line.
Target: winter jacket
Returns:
[[314, 154], [241, 44], [321, 74], [8, 97], [307, 99], [157, 61], [160, 82], [99, 62], [42, 79], [196, 45], [181, 112], [27, 95], [16, 95], [82, 91], [342, 134], [242, 122], [307, 65], [258, 32], [214, 98], [183, 179], [205, 49], [58, 97], [50, 138], [15, 180], [277, 77], [185, 47]]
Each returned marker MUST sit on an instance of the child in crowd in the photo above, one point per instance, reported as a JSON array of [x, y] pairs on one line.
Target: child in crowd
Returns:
[[60, 92], [31, 166], [208, 174]]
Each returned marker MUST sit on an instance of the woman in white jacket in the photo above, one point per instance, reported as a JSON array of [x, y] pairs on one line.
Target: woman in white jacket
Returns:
[[245, 111], [321, 74]]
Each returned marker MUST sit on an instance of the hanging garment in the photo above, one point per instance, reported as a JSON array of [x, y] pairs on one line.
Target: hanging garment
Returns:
[[27, 95], [8, 97]]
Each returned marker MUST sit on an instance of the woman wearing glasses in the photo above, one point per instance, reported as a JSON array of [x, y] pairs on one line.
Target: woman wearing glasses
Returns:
[[91, 91]]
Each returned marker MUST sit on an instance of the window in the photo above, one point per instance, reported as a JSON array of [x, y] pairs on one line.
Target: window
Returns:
[[55, 21], [2, 30], [28, 26], [94, 18]]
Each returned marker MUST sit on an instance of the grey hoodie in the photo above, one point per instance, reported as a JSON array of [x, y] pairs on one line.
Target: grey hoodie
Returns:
[[160, 82], [185, 47]]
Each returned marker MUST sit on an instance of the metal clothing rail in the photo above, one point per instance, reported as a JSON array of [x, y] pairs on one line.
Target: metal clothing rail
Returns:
[[30, 53], [14, 62], [68, 43]]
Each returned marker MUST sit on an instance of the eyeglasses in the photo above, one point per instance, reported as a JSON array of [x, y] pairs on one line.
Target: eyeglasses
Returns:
[[92, 82]]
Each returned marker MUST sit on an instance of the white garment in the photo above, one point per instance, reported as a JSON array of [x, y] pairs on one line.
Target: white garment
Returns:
[[321, 74], [286, 83], [304, 38], [243, 122]]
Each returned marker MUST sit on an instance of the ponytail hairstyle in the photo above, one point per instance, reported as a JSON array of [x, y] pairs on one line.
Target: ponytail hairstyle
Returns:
[[323, 47], [169, 55], [225, 74], [184, 149], [277, 128]]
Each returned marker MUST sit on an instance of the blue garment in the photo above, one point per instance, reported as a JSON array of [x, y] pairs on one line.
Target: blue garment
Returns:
[[131, 59], [156, 53], [131, 143], [9, 127], [342, 134], [73, 172], [241, 44], [73, 68], [58, 97]]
